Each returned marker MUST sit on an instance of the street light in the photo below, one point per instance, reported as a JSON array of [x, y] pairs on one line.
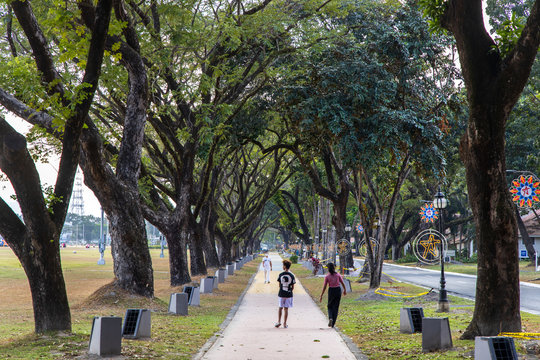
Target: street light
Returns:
[[348, 229], [102, 241], [439, 203]]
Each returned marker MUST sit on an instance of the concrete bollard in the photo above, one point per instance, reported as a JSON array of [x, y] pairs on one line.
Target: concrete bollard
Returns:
[[106, 336], [207, 285], [347, 283], [214, 281], [410, 320], [178, 304], [221, 274], [137, 324], [194, 295], [436, 334], [494, 348]]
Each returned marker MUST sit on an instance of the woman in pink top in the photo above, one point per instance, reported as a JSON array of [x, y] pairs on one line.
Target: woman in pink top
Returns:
[[333, 280]]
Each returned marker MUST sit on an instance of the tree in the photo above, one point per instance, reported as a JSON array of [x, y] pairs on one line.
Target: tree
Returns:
[[250, 180], [371, 101], [116, 189], [206, 71], [494, 75], [36, 240]]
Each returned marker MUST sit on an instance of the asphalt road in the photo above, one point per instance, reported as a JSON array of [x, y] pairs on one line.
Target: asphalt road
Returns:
[[459, 284]]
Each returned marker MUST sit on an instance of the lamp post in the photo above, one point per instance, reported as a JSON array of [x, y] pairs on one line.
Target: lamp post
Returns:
[[325, 243], [439, 203], [102, 241], [348, 229], [162, 243]]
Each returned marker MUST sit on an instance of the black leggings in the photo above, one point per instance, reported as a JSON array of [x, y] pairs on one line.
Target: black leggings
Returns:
[[334, 297]]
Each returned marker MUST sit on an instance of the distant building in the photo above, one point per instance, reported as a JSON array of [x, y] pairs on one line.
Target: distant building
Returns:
[[532, 223]]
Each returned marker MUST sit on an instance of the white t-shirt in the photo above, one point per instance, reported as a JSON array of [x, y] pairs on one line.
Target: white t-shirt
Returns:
[[266, 263]]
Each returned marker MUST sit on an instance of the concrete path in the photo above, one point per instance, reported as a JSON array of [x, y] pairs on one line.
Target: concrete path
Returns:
[[251, 333]]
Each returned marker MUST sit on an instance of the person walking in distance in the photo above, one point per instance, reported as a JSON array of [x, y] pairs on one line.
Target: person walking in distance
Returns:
[[267, 266], [286, 286], [333, 280]]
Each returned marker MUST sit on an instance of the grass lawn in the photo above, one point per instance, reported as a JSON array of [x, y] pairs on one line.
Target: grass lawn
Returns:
[[173, 337], [372, 322]]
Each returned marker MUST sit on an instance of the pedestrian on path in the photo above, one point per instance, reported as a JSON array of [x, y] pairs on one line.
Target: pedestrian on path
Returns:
[[286, 286], [333, 280], [267, 266]]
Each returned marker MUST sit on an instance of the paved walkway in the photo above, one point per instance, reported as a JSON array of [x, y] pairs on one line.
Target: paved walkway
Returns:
[[251, 333]]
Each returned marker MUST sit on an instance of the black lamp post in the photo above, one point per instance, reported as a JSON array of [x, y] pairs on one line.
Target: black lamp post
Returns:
[[348, 229], [440, 203]]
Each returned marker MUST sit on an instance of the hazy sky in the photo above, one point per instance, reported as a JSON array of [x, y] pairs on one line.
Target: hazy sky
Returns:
[[48, 174]]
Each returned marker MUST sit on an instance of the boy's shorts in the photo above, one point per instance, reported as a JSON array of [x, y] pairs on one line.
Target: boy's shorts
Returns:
[[285, 302]]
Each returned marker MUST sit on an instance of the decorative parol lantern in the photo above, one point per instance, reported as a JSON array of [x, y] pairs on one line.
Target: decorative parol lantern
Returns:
[[525, 191]]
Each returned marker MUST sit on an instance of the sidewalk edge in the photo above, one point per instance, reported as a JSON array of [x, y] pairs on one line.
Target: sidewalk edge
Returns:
[[211, 341]]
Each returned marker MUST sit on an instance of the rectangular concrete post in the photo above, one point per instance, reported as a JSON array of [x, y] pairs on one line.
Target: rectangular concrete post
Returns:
[[106, 336], [347, 283], [178, 304], [137, 324], [207, 285], [494, 348], [220, 274], [436, 334], [410, 320]]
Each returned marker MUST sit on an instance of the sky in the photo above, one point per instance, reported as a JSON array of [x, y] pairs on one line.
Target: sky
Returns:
[[48, 173]]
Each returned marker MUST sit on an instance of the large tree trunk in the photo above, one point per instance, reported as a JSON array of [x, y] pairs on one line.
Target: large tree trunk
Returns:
[[196, 254], [226, 247], [129, 245], [206, 227], [339, 221], [178, 261], [49, 297], [497, 284], [210, 252], [494, 84], [36, 241]]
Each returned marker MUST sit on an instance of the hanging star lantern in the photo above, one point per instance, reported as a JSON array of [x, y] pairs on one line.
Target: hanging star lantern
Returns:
[[428, 213], [525, 191], [360, 228]]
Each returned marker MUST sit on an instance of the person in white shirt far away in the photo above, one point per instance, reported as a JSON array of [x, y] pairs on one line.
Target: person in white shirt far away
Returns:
[[267, 266]]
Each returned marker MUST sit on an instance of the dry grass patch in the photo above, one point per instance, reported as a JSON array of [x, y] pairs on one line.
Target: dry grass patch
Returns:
[[91, 294]]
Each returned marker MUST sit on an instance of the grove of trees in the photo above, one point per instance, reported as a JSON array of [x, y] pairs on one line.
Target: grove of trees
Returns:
[[218, 120]]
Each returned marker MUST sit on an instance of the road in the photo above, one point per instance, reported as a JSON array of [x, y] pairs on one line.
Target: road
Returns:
[[458, 284]]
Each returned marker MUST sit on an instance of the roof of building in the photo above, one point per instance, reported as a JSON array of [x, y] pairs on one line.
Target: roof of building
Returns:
[[532, 223]]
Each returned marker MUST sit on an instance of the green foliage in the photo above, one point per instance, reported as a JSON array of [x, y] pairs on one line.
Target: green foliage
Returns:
[[50, 198], [433, 10], [408, 258], [367, 95], [294, 259], [509, 32]]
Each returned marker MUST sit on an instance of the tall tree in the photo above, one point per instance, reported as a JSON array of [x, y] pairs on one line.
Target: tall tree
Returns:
[[36, 240], [206, 71], [111, 172], [494, 75], [371, 100]]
